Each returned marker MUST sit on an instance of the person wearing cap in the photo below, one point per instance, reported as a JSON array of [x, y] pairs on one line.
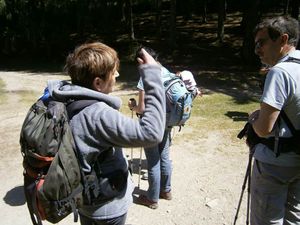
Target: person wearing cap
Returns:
[[158, 159]]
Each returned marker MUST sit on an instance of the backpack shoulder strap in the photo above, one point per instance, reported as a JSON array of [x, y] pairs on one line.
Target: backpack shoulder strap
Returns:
[[282, 113], [168, 83], [288, 123], [74, 107]]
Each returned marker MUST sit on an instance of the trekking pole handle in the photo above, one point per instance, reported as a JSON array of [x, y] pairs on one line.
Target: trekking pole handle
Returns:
[[131, 103]]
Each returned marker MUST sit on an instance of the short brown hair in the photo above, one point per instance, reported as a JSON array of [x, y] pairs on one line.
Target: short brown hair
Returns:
[[89, 61]]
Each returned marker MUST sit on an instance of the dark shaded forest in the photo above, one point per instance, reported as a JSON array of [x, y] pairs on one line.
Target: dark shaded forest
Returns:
[[199, 33]]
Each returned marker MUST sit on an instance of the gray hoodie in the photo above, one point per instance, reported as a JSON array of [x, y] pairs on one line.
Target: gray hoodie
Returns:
[[101, 126]]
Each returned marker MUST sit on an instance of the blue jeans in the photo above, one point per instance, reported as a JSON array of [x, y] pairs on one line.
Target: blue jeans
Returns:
[[159, 167]]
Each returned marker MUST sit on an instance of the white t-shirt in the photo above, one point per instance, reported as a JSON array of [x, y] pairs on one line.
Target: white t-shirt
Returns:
[[282, 90]]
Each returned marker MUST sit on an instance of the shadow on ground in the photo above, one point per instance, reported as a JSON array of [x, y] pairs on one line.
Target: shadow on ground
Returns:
[[15, 196]]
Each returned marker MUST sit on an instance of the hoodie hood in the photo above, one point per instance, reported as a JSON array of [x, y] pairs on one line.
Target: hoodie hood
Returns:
[[63, 91]]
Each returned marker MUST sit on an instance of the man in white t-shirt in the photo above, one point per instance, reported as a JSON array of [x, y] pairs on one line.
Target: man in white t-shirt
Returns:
[[275, 181]]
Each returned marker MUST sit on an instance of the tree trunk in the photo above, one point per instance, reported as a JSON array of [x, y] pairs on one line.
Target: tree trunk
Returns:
[[204, 8], [286, 7], [295, 9], [173, 23], [123, 11], [250, 19], [130, 19], [221, 17], [158, 8]]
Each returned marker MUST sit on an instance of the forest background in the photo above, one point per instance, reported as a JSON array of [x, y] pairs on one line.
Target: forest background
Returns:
[[48, 29]]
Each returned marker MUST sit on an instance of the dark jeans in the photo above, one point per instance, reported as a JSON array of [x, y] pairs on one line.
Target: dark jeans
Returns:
[[114, 221]]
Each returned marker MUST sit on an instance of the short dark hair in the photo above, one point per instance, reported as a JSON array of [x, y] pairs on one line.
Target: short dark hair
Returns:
[[280, 25], [149, 50]]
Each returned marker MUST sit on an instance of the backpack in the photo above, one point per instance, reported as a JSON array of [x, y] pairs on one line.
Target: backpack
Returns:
[[52, 176], [179, 101]]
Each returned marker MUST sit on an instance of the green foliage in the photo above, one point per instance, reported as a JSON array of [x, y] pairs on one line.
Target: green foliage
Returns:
[[2, 7], [218, 113], [49, 29], [217, 103]]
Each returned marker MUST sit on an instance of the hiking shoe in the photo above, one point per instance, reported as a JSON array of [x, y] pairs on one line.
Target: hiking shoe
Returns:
[[143, 200], [145, 176], [165, 195]]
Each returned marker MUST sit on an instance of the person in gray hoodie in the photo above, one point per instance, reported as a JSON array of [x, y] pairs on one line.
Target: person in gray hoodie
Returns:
[[100, 130]]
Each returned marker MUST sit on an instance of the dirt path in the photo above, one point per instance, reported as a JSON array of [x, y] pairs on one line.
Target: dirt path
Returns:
[[208, 170]]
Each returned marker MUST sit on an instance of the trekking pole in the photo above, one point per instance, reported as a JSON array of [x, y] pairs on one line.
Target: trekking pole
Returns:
[[249, 185], [241, 196], [131, 157], [140, 167], [247, 178]]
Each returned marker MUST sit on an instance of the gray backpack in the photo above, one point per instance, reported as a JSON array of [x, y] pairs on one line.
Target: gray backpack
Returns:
[[52, 176]]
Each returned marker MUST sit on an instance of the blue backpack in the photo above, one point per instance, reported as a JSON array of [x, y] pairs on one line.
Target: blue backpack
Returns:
[[179, 101]]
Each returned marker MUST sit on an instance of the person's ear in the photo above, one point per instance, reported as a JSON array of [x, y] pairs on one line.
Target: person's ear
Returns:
[[97, 84], [284, 39]]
